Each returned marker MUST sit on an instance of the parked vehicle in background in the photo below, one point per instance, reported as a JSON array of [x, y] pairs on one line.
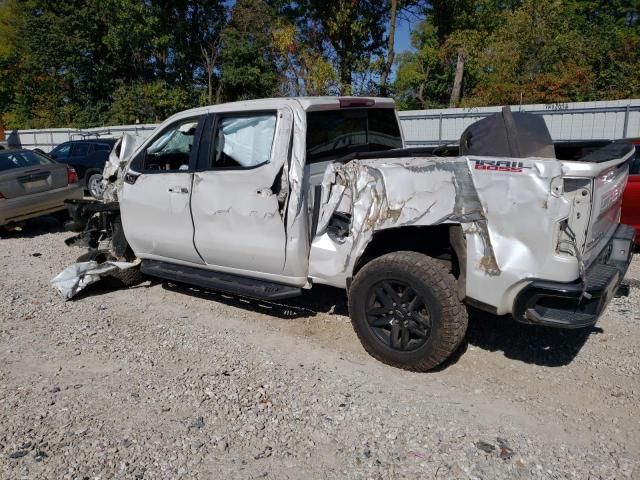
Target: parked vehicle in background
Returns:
[[31, 185], [87, 157], [631, 198]]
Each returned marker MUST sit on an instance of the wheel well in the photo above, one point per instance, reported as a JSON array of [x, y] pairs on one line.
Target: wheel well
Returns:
[[443, 242]]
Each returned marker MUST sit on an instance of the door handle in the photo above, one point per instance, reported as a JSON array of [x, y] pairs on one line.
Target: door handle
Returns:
[[179, 190]]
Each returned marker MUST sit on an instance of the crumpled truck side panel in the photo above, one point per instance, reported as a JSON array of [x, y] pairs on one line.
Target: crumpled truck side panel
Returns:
[[510, 218], [523, 210], [379, 195]]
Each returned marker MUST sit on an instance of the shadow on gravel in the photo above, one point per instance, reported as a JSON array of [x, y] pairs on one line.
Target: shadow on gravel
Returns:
[[320, 299], [36, 227], [550, 347], [104, 288], [632, 282]]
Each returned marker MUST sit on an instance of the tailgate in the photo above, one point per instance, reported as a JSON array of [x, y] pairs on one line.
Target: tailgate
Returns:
[[606, 206], [39, 174], [608, 170]]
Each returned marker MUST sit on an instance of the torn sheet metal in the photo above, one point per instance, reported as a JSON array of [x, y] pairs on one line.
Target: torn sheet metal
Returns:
[[114, 168], [76, 277], [509, 216], [390, 194]]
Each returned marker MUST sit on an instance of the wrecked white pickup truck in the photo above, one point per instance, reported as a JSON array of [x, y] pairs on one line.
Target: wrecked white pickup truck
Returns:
[[264, 198]]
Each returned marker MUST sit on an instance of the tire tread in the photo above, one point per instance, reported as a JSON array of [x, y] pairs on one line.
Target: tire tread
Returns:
[[443, 283]]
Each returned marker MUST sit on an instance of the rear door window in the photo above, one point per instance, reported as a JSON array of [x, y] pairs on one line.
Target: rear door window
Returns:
[[244, 141], [10, 160], [340, 132], [80, 149], [102, 147], [62, 151]]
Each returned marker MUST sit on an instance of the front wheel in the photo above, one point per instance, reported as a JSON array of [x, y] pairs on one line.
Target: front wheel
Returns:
[[406, 312], [94, 185]]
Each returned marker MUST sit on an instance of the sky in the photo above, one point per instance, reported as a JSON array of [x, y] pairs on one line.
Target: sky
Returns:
[[403, 36]]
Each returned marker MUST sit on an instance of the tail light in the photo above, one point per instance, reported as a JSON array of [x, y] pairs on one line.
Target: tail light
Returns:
[[1, 196], [72, 175]]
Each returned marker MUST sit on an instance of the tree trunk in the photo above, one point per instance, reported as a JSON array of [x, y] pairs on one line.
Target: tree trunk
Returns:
[[386, 68], [209, 59], [345, 77], [457, 82]]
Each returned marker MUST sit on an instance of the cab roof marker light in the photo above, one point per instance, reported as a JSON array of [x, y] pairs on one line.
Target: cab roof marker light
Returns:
[[351, 102]]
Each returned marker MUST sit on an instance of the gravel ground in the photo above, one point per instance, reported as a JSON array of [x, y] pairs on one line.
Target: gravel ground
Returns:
[[162, 382]]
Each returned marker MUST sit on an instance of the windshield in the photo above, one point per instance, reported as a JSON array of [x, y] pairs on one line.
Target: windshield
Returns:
[[339, 132], [9, 160]]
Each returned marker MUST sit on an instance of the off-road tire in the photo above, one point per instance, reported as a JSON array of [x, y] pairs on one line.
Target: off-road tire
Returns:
[[437, 288], [116, 278]]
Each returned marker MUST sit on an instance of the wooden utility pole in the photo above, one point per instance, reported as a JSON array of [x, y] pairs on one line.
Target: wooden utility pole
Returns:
[[456, 91], [210, 58], [386, 68]]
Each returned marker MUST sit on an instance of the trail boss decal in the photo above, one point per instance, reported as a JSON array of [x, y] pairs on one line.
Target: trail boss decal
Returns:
[[512, 166]]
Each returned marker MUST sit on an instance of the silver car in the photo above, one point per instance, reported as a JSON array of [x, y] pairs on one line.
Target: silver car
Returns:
[[31, 184]]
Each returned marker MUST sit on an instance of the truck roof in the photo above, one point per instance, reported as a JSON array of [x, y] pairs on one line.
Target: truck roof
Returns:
[[307, 104]]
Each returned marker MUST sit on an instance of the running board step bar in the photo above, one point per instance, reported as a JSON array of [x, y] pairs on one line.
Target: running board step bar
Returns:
[[225, 282]]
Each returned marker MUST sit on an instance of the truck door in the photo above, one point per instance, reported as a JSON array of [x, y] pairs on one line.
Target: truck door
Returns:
[[238, 201], [155, 196]]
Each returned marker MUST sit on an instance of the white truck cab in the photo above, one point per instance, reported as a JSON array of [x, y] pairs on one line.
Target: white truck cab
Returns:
[[264, 198]]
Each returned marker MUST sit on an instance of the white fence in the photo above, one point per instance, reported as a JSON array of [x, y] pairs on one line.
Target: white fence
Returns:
[[566, 121], [46, 139]]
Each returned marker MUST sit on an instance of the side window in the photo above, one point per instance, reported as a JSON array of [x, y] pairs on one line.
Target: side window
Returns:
[[62, 150], [80, 149], [171, 150], [243, 141], [102, 147]]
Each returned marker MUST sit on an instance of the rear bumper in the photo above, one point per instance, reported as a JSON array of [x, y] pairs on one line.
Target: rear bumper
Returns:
[[563, 305], [30, 206]]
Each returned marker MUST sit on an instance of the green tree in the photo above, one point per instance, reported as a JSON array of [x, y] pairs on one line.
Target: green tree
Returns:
[[524, 51], [353, 29], [73, 55], [147, 102], [247, 66], [423, 79]]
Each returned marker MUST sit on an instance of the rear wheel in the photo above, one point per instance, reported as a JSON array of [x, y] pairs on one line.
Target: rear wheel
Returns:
[[406, 312], [94, 185]]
